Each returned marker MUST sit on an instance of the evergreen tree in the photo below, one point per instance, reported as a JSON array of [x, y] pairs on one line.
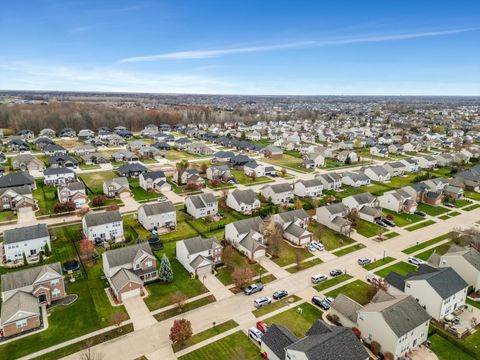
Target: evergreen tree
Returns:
[[40, 258], [47, 250], [165, 273], [25, 259]]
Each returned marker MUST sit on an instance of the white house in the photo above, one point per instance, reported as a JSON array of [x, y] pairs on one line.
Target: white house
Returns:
[[154, 181], [252, 167], [58, 176], [313, 160], [308, 188], [104, 226], [28, 240], [334, 216], [440, 291], [427, 162], [330, 181], [278, 193], [396, 168], [247, 236], [295, 226], [377, 173], [398, 200], [157, 215], [411, 164], [243, 201], [199, 255], [354, 179], [202, 205], [74, 192], [380, 151]]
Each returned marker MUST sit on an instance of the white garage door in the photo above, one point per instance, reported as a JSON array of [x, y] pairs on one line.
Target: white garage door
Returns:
[[131, 293], [124, 195]]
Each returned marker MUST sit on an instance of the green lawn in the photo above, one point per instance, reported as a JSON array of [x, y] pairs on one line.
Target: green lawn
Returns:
[[304, 265], [329, 238], [140, 194], [472, 195], [228, 347], [445, 350], [432, 210], [206, 334], [390, 235], [368, 229], [288, 252], [356, 290], [401, 268], [182, 231], [420, 225], [471, 207], [349, 249], [403, 219], [224, 274], [247, 180], [288, 162], [192, 305], [7, 215], [378, 263], [461, 203], [94, 180], [298, 322], [425, 244], [441, 249], [46, 197], [332, 282], [276, 305]]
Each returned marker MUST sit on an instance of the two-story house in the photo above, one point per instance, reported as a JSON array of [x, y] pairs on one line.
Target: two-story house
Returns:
[[17, 197], [398, 200], [127, 269], [334, 216], [154, 181], [278, 193], [330, 181], [243, 201], [199, 255], [117, 187], [247, 236], [58, 176], [104, 226], [365, 204], [355, 179], [308, 188], [202, 205], [295, 226], [157, 215], [74, 192], [28, 240]]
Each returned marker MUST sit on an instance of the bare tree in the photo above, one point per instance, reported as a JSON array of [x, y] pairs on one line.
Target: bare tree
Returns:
[[117, 319], [179, 300], [298, 258], [274, 235], [88, 353]]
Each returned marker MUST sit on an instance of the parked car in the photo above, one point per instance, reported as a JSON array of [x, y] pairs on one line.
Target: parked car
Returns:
[[389, 222], [364, 261], [420, 213], [261, 302], [450, 205], [255, 335], [262, 326], [318, 245], [162, 199], [381, 223], [317, 300], [415, 261], [318, 278], [336, 272], [370, 278], [252, 289], [329, 300], [310, 247], [279, 294]]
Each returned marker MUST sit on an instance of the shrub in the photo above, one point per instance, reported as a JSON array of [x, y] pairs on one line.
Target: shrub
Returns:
[[99, 200]]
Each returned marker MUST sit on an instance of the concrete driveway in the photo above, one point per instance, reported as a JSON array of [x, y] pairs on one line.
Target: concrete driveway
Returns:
[[139, 313], [214, 285]]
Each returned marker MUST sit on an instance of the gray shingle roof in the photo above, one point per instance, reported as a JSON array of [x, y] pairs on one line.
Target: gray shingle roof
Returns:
[[153, 175], [158, 208], [57, 171], [445, 281], [25, 233], [347, 307], [18, 279], [200, 201], [21, 301], [247, 196], [292, 215], [244, 226], [122, 277], [125, 255], [310, 183], [279, 188], [16, 179], [199, 244], [277, 339], [102, 218]]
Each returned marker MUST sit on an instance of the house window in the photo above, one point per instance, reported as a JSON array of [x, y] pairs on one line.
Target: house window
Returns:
[[56, 293], [21, 323], [148, 263], [54, 282]]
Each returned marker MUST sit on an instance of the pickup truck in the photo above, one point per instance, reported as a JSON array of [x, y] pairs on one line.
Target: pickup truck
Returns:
[[252, 289]]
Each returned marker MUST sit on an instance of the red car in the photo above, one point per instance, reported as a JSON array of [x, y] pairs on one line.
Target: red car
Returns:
[[262, 326]]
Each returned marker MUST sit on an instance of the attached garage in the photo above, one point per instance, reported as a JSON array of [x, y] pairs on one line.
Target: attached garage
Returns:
[[125, 284], [130, 293], [125, 194]]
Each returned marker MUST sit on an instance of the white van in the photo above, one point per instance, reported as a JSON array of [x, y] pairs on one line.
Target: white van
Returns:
[[318, 278], [261, 302], [255, 335]]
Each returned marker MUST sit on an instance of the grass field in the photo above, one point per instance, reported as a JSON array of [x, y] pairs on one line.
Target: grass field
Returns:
[[356, 290], [288, 162], [46, 197], [94, 180], [403, 219], [378, 263], [349, 249], [304, 265], [472, 195], [175, 155], [368, 229], [276, 305], [420, 225], [332, 282], [432, 210], [227, 348], [441, 249], [287, 254], [298, 322], [192, 305], [401, 268], [425, 244]]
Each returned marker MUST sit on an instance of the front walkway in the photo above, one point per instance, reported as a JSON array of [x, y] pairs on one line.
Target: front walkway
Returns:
[[138, 312], [273, 268], [216, 287]]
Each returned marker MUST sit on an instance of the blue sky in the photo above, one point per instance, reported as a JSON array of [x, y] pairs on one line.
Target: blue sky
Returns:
[[388, 47]]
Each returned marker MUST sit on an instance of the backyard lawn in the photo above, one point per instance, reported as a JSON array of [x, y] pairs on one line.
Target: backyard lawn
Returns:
[[356, 290], [332, 282], [288, 162], [331, 239], [226, 348], [94, 180], [287, 254], [247, 180], [432, 210], [368, 229], [46, 197], [420, 225], [139, 193], [349, 249], [445, 350], [298, 322], [403, 219], [401, 268]]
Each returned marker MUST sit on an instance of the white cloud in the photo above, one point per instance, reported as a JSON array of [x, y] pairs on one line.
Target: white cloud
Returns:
[[203, 54]]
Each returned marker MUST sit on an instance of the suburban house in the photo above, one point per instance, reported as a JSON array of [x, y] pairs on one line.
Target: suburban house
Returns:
[[330, 181], [124, 155], [74, 192], [18, 178], [199, 255], [154, 181], [347, 156], [202, 205], [397, 322], [453, 192], [395, 149], [253, 168], [238, 161], [465, 262], [295, 226], [84, 149], [321, 342], [427, 162], [128, 268], [278, 193], [243, 201], [398, 200], [247, 237], [132, 170], [377, 173], [183, 177], [272, 152], [411, 164], [222, 157], [27, 162], [468, 179], [28, 240], [157, 215], [104, 226], [17, 198], [95, 158], [334, 216], [379, 150], [58, 176], [117, 187], [445, 159], [54, 149], [365, 204], [313, 160], [308, 188], [396, 168], [420, 192], [355, 179], [219, 172], [24, 292], [439, 290], [62, 161]]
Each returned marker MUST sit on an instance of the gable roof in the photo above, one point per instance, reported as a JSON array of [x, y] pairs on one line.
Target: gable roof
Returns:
[[244, 226], [198, 244], [244, 196], [157, 208], [102, 218], [277, 339], [126, 255], [445, 281], [279, 188], [122, 277], [16, 179], [18, 279], [22, 303], [201, 200], [25, 233]]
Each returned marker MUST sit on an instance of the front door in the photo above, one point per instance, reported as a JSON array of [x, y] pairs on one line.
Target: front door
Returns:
[[42, 298]]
